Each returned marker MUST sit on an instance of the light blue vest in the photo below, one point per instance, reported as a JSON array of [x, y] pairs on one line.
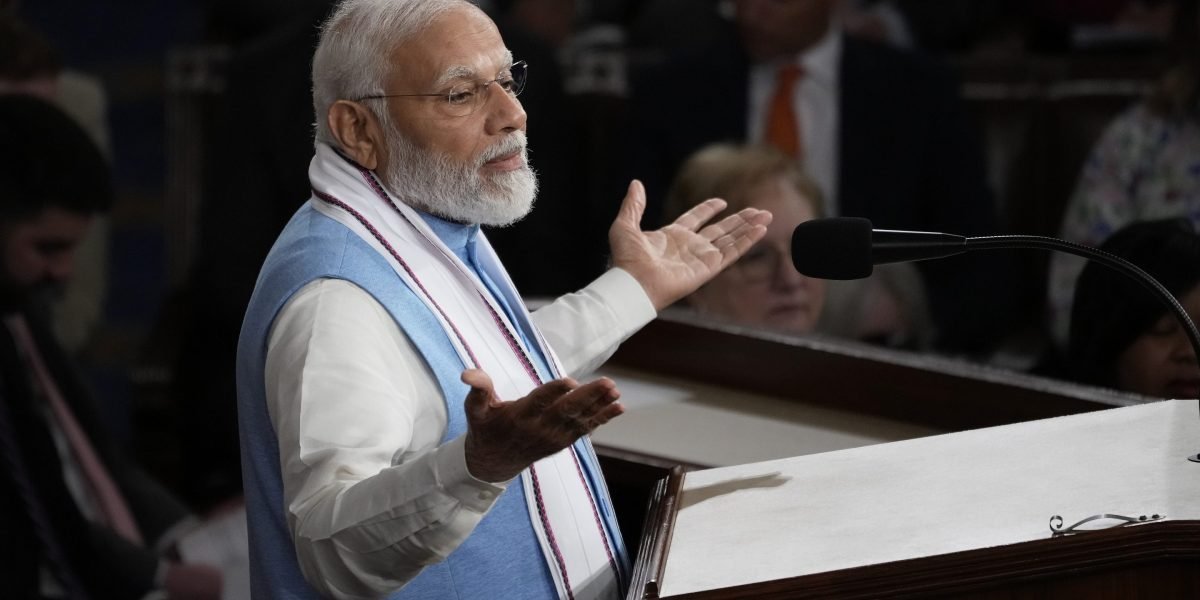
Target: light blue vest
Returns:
[[502, 557]]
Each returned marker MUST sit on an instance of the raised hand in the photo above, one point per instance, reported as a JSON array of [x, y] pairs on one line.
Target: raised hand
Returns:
[[503, 438], [674, 261]]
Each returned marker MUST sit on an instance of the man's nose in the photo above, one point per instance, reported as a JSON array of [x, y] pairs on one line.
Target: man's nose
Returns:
[[505, 113]]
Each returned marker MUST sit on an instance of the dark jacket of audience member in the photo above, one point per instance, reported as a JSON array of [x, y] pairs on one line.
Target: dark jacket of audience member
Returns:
[[46, 163], [908, 159]]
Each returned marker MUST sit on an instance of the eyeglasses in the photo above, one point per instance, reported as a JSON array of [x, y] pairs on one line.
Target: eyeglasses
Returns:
[[761, 263], [465, 98]]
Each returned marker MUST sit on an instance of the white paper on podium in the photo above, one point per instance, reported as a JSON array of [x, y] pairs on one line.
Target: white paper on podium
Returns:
[[931, 496], [707, 425]]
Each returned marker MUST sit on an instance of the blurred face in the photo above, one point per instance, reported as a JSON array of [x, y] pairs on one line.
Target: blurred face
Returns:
[[467, 168], [773, 29], [1160, 362], [39, 254], [763, 288]]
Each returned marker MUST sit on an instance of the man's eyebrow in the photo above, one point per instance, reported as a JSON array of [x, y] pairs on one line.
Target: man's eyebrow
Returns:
[[453, 74], [458, 72]]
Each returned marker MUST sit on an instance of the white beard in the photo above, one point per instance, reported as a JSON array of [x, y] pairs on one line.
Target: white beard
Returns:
[[434, 183]]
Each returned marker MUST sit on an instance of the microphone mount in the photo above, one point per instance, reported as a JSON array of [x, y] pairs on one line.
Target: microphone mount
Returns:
[[857, 247], [1112, 261]]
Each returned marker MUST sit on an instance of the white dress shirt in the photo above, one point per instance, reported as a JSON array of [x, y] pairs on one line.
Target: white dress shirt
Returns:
[[359, 416], [816, 102]]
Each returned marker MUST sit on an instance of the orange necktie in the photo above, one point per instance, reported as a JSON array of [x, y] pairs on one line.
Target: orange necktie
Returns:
[[783, 126]]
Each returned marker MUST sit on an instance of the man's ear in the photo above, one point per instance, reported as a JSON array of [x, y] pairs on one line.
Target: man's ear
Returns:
[[357, 132]]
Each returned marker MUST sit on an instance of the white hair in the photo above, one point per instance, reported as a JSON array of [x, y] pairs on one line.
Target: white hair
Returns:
[[356, 43], [436, 183]]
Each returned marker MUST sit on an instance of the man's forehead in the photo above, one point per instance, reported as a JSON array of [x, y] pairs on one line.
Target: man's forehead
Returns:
[[459, 44]]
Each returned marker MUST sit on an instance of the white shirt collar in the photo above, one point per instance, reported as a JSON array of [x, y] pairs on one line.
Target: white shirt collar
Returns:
[[822, 59]]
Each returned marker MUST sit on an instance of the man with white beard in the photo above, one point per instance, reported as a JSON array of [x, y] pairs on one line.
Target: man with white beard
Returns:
[[408, 429]]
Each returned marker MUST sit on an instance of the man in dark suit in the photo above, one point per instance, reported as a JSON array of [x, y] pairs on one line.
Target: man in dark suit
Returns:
[[78, 519], [882, 131]]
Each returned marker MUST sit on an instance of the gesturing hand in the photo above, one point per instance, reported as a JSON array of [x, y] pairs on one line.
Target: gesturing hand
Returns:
[[674, 261], [503, 438]]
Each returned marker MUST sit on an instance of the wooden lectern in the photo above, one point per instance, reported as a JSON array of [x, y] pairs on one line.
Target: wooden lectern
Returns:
[[704, 395], [964, 514]]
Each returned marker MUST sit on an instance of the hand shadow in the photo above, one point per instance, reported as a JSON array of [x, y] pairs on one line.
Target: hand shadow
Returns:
[[695, 496]]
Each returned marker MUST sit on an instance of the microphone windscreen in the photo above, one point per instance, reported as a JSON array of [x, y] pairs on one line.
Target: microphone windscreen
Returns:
[[833, 248]]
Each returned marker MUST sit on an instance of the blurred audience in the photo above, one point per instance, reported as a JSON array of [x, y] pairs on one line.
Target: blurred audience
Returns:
[[78, 517], [960, 26], [883, 133], [29, 64], [1121, 336], [1145, 166]]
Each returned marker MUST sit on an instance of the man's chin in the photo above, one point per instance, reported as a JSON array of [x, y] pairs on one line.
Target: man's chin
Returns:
[[508, 218]]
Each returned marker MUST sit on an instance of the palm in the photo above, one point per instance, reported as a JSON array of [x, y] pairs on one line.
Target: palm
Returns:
[[672, 262]]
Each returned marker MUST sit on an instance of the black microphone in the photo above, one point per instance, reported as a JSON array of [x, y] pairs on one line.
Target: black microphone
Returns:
[[849, 248]]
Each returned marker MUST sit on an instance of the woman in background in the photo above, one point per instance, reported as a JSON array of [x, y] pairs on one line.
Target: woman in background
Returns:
[[763, 289], [1145, 166], [1121, 336]]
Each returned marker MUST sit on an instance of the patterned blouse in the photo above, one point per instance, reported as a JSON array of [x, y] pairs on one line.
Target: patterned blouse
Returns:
[[1144, 167]]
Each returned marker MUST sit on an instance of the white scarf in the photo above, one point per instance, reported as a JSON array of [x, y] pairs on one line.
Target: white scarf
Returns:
[[574, 543]]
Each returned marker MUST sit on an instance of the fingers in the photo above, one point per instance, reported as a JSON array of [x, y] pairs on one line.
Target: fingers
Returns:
[[700, 214], [482, 394], [632, 207], [736, 225], [589, 406], [544, 395], [734, 235]]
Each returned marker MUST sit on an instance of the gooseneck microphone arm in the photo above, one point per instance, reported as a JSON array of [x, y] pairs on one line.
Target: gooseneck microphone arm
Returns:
[[1112, 261], [848, 248]]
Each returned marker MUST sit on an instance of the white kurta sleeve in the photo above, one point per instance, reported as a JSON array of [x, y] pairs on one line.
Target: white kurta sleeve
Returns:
[[585, 328], [371, 497]]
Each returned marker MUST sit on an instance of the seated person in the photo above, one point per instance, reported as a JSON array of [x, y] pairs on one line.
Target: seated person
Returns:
[[79, 518], [1145, 166], [30, 65], [763, 289], [1121, 336]]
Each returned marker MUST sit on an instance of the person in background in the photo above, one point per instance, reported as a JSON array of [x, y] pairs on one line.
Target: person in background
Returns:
[[1146, 166], [763, 289], [29, 64], [78, 517], [1121, 336], [883, 132]]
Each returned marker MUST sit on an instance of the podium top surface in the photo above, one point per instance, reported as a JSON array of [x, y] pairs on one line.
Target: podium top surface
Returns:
[[930, 496]]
